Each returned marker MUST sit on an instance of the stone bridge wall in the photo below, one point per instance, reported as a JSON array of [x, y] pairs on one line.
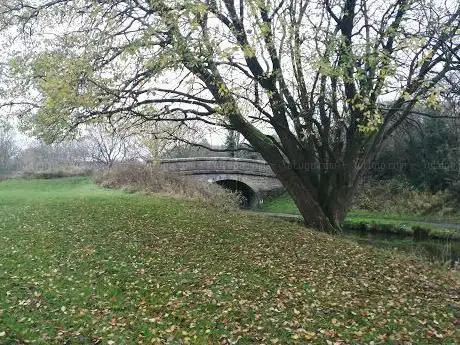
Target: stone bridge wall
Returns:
[[254, 173], [217, 165]]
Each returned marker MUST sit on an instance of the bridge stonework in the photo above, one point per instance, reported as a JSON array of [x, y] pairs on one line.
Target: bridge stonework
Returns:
[[254, 178]]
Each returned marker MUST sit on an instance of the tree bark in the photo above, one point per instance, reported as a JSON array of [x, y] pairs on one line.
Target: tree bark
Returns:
[[322, 212]]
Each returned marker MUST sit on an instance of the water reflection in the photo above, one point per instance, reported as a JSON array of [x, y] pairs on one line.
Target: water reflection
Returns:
[[436, 250]]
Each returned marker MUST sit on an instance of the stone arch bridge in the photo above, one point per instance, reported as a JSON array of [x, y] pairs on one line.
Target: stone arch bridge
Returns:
[[254, 179]]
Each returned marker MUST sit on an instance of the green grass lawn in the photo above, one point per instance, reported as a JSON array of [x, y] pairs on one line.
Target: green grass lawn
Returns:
[[82, 265]]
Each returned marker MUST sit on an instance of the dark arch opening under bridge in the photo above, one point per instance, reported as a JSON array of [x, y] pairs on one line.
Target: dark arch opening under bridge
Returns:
[[248, 195]]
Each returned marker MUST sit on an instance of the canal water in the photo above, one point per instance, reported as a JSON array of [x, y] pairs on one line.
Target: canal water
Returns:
[[436, 250]]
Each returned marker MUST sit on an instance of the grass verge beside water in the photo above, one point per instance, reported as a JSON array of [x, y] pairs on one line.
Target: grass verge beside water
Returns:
[[83, 265], [393, 223]]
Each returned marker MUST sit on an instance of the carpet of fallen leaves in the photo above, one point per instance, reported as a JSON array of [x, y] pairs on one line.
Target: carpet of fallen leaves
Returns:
[[80, 265]]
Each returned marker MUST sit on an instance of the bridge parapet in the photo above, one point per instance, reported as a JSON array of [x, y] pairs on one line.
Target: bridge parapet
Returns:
[[217, 165]]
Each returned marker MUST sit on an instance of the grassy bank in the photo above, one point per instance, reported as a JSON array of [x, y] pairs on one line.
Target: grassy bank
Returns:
[[83, 265], [378, 221], [284, 204]]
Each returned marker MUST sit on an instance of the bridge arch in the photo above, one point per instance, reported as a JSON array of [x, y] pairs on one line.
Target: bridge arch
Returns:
[[253, 178], [248, 195]]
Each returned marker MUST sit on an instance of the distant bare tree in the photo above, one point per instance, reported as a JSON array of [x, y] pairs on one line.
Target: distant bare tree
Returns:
[[41, 156], [107, 146], [8, 151]]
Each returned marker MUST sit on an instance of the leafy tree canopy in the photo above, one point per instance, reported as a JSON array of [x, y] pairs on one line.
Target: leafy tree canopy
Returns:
[[304, 81]]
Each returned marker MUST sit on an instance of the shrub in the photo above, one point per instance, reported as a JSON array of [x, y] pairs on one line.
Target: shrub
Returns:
[[400, 197], [453, 192], [383, 228], [150, 179], [447, 234], [57, 172]]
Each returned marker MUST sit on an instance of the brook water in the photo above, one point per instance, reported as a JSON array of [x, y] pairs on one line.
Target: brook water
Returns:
[[433, 249]]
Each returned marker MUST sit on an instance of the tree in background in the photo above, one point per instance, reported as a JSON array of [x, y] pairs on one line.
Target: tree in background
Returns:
[[432, 156], [107, 146], [40, 156], [303, 81], [8, 151], [161, 138], [425, 153], [231, 142]]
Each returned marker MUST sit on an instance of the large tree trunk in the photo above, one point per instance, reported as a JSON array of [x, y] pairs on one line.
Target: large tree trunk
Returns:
[[320, 209], [327, 216]]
